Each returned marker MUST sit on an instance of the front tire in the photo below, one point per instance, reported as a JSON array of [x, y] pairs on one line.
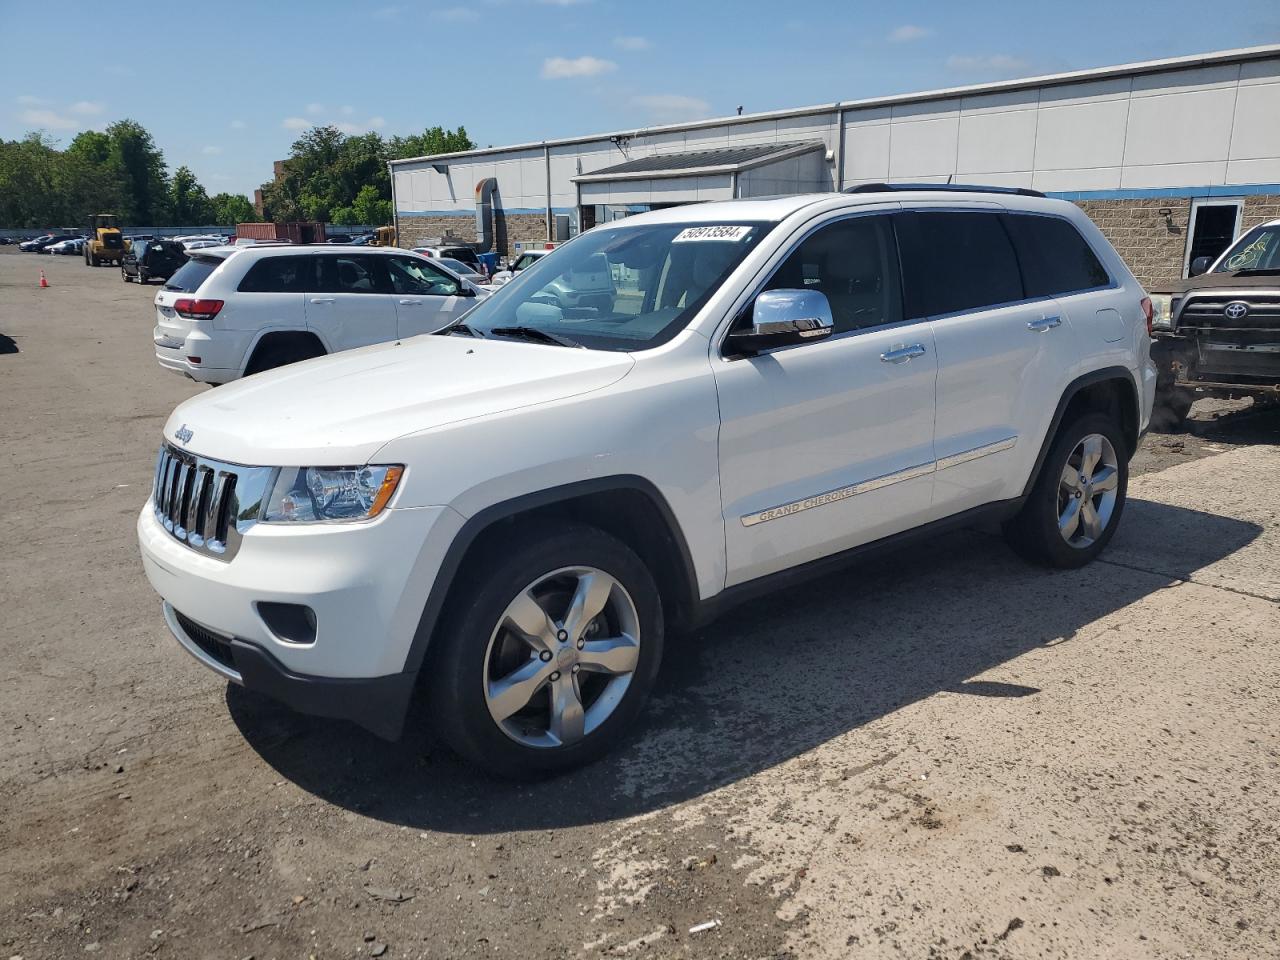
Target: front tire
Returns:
[[1075, 504], [546, 662]]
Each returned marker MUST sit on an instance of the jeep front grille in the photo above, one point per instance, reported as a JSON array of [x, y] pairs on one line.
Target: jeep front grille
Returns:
[[207, 504]]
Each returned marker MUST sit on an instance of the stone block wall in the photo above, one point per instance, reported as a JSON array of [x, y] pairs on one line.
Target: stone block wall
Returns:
[[508, 229], [1152, 246]]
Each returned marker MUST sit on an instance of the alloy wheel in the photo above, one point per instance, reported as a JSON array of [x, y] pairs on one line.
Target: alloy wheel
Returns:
[[1088, 490], [561, 657]]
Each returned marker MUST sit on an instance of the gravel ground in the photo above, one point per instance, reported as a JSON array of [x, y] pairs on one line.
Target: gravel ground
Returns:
[[943, 754]]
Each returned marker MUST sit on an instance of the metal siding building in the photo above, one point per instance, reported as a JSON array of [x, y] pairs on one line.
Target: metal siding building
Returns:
[[1166, 156]]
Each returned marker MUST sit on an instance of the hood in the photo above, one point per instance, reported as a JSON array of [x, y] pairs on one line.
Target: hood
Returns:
[[339, 410], [1215, 281]]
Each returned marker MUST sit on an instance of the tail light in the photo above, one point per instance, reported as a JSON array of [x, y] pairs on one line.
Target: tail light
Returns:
[[198, 309], [1148, 312]]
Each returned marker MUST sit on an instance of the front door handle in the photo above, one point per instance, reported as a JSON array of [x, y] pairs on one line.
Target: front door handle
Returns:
[[1044, 324], [902, 354], [409, 303], [322, 299]]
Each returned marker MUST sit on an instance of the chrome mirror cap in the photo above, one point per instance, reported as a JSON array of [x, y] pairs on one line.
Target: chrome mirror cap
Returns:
[[800, 313]]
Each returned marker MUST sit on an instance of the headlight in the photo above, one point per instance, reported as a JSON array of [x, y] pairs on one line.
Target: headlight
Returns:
[[1161, 311], [314, 494]]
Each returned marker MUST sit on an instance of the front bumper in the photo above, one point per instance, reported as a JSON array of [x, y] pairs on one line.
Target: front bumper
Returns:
[[366, 585], [379, 704], [1200, 363]]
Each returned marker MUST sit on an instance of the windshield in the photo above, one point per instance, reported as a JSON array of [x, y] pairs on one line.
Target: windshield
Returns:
[[1259, 249], [620, 288]]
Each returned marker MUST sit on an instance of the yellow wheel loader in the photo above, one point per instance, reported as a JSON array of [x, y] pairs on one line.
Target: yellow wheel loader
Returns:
[[105, 243]]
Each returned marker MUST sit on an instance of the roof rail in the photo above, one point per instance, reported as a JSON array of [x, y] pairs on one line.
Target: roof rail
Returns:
[[947, 187]]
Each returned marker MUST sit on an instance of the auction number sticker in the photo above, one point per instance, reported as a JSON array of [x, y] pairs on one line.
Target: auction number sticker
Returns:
[[723, 232]]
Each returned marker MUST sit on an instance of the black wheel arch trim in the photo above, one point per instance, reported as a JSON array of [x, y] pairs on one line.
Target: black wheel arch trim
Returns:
[[481, 521], [1073, 388]]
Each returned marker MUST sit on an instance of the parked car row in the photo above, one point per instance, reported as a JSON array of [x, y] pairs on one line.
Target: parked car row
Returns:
[[660, 418]]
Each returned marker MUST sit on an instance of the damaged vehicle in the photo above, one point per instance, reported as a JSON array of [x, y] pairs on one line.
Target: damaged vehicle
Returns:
[[1217, 334]]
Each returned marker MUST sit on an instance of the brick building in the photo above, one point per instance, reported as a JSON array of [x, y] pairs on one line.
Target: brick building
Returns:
[[1171, 158]]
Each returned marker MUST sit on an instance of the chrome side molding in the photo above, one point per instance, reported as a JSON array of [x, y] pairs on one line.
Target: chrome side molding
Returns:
[[878, 483]]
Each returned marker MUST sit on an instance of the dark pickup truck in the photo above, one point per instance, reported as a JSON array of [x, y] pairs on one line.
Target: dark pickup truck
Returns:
[[1217, 334]]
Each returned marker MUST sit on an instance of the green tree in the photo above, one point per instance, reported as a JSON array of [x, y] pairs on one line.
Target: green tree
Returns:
[[429, 142], [327, 172], [344, 216], [232, 208], [188, 203], [141, 170], [371, 209]]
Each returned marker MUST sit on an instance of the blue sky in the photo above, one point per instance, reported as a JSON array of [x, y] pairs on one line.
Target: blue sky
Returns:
[[226, 87]]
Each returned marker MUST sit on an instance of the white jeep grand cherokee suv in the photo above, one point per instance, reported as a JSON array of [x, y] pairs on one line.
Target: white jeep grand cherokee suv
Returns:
[[232, 311], [511, 517]]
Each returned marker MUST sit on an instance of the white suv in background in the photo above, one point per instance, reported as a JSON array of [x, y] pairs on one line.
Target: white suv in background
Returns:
[[511, 517], [232, 311]]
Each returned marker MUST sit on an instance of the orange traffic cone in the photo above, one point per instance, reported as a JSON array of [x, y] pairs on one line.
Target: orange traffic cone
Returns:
[[43, 282]]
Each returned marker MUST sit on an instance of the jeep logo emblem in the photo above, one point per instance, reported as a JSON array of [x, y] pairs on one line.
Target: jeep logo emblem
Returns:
[[1236, 310], [184, 434]]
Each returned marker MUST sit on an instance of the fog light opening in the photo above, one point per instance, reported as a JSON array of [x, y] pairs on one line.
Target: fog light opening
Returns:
[[289, 622]]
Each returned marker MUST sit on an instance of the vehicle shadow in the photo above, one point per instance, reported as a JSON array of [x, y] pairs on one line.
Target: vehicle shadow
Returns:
[[7, 345], [1254, 424], [766, 683]]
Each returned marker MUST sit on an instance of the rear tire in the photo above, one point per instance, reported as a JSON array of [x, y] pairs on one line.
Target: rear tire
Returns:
[[573, 697], [1076, 502], [281, 353]]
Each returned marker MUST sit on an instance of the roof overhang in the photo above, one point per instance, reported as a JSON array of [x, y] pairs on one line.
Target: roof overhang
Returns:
[[700, 163]]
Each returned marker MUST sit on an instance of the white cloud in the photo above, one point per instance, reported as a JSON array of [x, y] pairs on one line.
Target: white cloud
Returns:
[[631, 43], [238, 124], [672, 106], [456, 14], [377, 123], [999, 64], [48, 119], [348, 111], [211, 150], [559, 68], [296, 123], [87, 108], [315, 109], [30, 101], [908, 32]]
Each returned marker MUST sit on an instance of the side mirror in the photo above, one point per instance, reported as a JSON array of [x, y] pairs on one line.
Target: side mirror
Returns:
[[782, 317], [1200, 265], [465, 289]]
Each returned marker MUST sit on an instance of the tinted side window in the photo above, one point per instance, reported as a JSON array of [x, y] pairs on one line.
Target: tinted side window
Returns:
[[956, 261], [854, 263], [350, 273], [1055, 258], [276, 275]]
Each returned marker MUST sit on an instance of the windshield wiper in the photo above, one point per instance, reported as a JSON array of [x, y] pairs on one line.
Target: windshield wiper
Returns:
[[536, 335]]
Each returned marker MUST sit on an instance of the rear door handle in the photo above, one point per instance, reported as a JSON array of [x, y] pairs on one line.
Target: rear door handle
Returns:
[[903, 354], [1044, 324], [322, 299], [411, 302]]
